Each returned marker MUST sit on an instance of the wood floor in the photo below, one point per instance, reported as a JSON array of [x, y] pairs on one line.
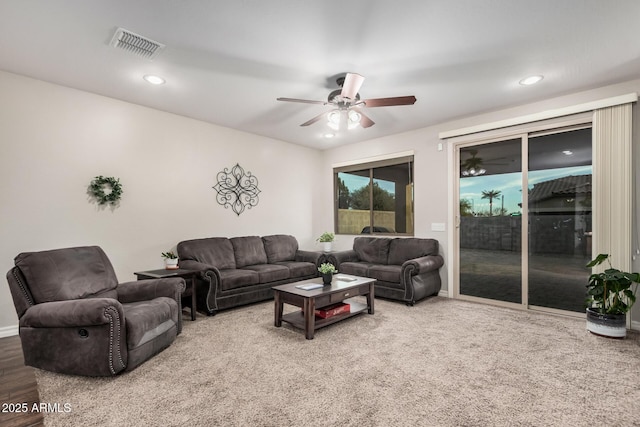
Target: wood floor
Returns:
[[17, 386]]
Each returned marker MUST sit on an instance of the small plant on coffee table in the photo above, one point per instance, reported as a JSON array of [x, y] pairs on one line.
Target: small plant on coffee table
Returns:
[[327, 270]]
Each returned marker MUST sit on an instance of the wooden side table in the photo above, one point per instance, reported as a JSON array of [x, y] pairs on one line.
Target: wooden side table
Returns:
[[188, 275]]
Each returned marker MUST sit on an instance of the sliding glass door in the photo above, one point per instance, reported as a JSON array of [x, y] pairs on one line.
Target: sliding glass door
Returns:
[[490, 220], [524, 215], [559, 219]]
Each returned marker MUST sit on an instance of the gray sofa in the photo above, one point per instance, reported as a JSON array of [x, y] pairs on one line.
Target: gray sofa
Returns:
[[405, 269], [241, 270]]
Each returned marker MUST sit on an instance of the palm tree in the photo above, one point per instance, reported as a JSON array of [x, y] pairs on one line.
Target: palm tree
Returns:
[[490, 194], [466, 208]]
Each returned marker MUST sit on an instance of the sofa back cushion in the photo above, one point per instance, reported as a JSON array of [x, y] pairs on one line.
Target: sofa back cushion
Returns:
[[404, 249], [66, 274], [215, 251], [280, 247], [248, 251], [372, 249]]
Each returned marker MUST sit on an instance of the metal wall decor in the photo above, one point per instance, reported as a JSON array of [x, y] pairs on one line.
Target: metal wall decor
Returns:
[[237, 189]]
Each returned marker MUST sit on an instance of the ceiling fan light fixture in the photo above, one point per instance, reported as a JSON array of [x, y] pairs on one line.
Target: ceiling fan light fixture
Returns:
[[473, 172], [334, 117]]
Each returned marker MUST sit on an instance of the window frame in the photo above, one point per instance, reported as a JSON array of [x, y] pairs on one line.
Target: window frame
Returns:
[[371, 166]]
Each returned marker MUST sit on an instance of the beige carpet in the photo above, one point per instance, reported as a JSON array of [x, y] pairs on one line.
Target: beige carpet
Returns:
[[440, 363]]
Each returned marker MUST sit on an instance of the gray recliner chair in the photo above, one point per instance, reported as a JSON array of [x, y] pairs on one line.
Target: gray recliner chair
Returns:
[[76, 319]]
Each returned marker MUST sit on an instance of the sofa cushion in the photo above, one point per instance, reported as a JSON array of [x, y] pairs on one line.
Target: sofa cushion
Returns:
[[216, 251], [280, 247], [70, 273], [299, 269], [147, 320], [269, 272], [386, 273], [355, 268], [372, 249], [401, 250], [248, 251], [233, 279]]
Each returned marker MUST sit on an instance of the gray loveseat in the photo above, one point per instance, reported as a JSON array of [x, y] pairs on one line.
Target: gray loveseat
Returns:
[[405, 269], [242, 270]]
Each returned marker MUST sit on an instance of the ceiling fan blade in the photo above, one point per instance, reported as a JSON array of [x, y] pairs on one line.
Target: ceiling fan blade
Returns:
[[304, 101], [351, 85], [365, 121], [388, 102], [313, 120]]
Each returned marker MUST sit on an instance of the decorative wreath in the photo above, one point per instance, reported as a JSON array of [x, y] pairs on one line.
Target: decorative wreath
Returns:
[[97, 189]]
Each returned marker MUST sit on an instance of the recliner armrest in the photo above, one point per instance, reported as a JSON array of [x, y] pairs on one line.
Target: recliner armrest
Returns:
[[148, 289], [423, 264], [72, 313]]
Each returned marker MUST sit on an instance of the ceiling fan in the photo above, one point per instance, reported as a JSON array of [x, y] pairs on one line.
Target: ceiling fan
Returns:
[[347, 104]]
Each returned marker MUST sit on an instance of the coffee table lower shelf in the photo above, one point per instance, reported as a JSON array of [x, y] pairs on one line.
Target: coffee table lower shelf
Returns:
[[296, 318]]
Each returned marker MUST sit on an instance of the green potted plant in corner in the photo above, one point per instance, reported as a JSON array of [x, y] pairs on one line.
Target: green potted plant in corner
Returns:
[[170, 260], [326, 239], [327, 270], [611, 294]]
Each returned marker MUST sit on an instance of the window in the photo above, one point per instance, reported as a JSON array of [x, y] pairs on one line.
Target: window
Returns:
[[375, 198]]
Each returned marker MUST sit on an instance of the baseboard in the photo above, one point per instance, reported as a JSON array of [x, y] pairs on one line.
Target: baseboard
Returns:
[[443, 293], [635, 325], [8, 331]]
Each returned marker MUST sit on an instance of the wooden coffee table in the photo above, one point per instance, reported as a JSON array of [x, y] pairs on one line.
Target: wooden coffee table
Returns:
[[343, 287]]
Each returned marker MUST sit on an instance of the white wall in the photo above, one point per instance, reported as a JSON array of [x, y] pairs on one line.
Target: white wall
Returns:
[[430, 183], [55, 140], [431, 169]]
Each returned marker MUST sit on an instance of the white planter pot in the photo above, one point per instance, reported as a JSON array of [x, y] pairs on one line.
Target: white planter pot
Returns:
[[171, 264], [607, 325], [327, 246]]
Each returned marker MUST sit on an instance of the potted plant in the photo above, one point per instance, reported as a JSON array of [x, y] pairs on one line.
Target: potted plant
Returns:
[[611, 295], [170, 260], [326, 239], [327, 270]]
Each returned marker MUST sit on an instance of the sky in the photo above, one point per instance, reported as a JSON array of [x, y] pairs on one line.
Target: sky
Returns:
[[509, 184], [471, 188], [355, 182]]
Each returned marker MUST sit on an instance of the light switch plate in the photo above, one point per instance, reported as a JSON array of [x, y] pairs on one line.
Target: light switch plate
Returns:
[[438, 226]]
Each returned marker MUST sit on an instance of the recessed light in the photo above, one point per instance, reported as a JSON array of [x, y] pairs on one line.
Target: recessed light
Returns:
[[154, 80], [567, 152], [527, 81]]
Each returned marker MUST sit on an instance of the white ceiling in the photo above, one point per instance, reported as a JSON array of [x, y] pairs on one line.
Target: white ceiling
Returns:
[[226, 62]]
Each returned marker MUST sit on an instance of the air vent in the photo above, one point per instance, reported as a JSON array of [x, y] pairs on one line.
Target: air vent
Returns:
[[136, 44]]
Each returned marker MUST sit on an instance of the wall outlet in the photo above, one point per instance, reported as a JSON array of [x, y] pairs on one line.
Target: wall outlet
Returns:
[[438, 226]]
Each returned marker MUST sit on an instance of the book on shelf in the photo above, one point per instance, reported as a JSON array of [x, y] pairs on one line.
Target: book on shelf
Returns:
[[333, 310]]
